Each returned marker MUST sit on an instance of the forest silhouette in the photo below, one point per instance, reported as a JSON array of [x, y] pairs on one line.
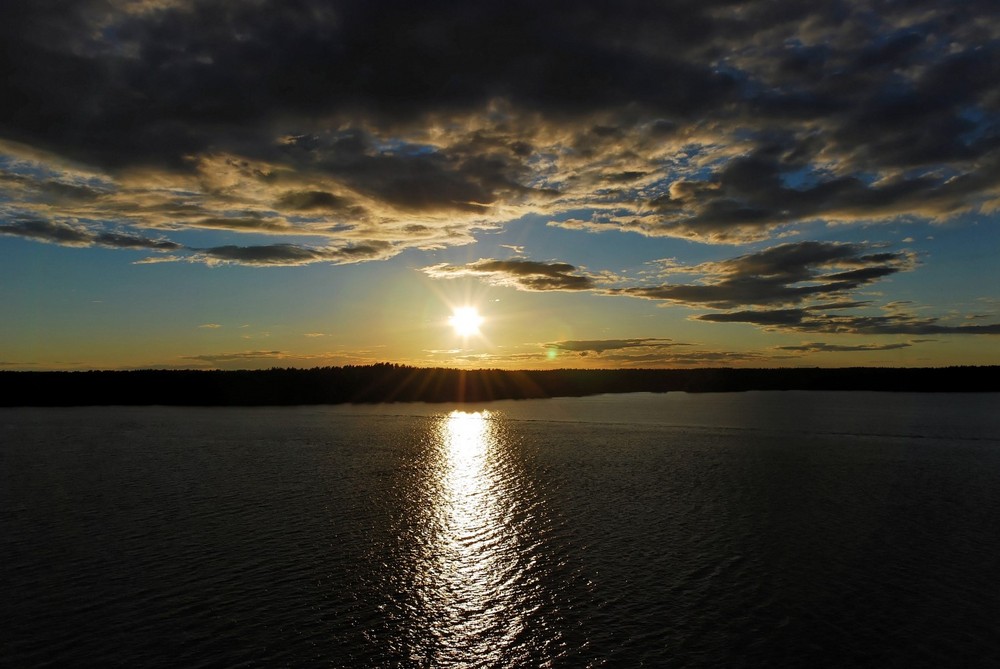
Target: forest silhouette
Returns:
[[386, 382]]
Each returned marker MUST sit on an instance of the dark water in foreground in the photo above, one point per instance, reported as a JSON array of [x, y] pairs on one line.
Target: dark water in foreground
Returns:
[[737, 530]]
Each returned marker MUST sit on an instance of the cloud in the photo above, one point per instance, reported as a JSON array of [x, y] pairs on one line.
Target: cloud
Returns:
[[290, 254], [752, 195], [245, 224], [46, 231], [645, 352], [210, 326], [220, 358], [820, 347], [517, 273], [351, 132], [263, 359], [358, 121], [786, 274], [312, 200], [601, 345], [155, 260], [778, 317], [124, 241], [651, 356], [664, 356], [805, 283], [275, 254], [813, 319], [684, 358], [75, 235]]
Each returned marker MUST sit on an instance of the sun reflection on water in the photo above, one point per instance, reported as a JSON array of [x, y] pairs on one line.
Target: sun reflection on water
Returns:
[[466, 445], [476, 574], [471, 570]]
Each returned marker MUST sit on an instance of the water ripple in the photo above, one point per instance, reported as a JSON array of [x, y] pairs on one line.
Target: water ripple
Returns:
[[353, 538]]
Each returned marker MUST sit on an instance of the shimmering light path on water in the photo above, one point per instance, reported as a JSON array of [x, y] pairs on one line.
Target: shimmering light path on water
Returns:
[[470, 565], [745, 530], [483, 554]]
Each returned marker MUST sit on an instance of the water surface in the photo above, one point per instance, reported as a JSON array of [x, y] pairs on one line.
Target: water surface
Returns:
[[752, 529]]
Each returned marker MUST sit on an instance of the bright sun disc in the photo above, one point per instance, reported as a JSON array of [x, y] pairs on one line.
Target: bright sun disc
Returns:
[[466, 321]]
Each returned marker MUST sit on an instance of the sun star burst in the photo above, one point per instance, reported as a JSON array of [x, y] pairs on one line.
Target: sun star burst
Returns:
[[466, 321]]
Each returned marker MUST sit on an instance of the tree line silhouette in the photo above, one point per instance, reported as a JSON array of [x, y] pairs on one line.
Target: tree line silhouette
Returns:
[[386, 382]]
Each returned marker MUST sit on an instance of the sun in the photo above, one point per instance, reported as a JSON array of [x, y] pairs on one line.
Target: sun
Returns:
[[466, 321]]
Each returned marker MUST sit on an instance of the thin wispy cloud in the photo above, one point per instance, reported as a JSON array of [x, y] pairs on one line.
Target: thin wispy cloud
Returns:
[[217, 358], [79, 235], [251, 359], [625, 357], [600, 346], [518, 273], [816, 319], [822, 347]]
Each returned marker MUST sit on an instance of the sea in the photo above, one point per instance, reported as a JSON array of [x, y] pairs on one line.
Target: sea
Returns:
[[758, 529]]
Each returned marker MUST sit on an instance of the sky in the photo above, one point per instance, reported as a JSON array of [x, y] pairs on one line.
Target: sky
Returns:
[[297, 183]]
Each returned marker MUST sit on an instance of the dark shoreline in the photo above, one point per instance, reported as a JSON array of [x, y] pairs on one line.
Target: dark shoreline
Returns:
[[396, 383]]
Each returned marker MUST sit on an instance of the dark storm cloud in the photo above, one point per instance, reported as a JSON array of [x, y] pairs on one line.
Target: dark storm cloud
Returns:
[[467, 176], [60, 233], [708, 120], [518, 273], [780, 275], [163, 82], [312, 200]]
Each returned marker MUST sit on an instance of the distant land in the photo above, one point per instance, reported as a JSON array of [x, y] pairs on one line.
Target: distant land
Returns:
[[396, 383]]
